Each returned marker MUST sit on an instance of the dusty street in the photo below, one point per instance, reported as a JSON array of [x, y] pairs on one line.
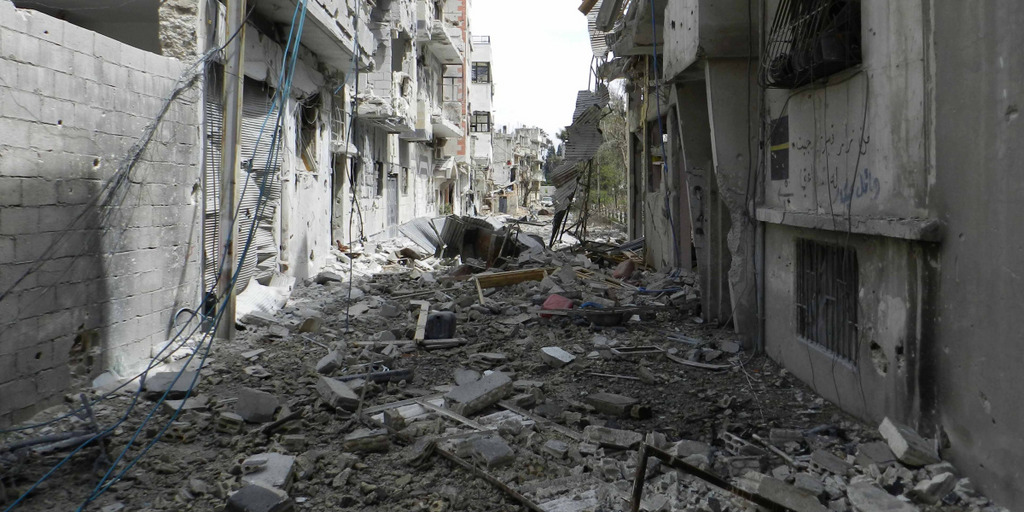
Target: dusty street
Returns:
[[518, 410]]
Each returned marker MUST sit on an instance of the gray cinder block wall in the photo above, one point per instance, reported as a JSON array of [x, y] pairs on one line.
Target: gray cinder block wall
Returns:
[[72, 103]]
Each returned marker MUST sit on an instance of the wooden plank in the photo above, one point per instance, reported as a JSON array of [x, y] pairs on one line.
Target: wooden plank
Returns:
[[421, 323], [499, 279], [696, 364]]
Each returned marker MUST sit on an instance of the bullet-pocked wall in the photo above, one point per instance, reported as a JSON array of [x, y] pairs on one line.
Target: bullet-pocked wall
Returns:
[[92, 268]]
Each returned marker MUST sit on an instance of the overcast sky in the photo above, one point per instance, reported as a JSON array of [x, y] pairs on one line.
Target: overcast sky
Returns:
[[541, 52]]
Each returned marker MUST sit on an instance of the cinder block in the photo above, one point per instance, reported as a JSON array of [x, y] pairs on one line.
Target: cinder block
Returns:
[[45, 27], [10, 188], [113, 74], [36, 192], [35, 359], [109, 49], [18, 394], [18, 104], [31, 247], [53, 381], [85, 65], [46, 138], [22, 47], [56, 57], [33, 303], [18, 221]]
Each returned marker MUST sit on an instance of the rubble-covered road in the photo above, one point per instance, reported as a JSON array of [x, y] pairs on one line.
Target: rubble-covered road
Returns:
[[332, 403]]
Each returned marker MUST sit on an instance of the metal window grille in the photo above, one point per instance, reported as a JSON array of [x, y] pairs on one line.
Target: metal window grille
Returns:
[[809, 40], [826, 291]]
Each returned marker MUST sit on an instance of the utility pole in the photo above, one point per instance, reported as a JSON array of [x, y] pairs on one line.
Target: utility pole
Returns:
[[230, 155]]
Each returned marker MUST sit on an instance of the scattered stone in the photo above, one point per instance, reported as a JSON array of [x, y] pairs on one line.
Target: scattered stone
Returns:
[[614, 438], [337, 394], [478, 395], [394, 420], [365, 440], [229, 423], [809, 483], [158, 384], [825, 460], [780, 492], [255, 498], [781, 436], [611, 404], [492, 451], [194, 403], [312, 324], [256, 371], [910, 448], [685, 448], [329, 363], [646, 375], [259, 319], [252, 354], [389, 310], [729, 347], [877, 453], [327, 276], [271, 470], [294, 442], [279, 331], [555, 448], [930, 491], [524, 400], [868, 497], [555, 357], [256, 406], [466, 376]]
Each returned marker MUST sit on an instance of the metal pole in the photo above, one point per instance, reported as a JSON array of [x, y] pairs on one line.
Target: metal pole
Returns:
[[230, 156]]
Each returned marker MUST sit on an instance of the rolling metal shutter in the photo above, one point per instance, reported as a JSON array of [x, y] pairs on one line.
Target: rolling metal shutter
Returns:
[[261, 259]]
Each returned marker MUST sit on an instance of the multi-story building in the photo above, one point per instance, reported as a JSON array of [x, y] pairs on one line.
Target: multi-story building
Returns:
[[846, 173], [481, 115], [111, 169]]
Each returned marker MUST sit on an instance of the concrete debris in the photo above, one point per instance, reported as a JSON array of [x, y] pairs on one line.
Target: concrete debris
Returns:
[[337, 394], [612, 404], [156, 385], [614, 438], [229, 423], [272, 470], [789, 496], [556, 357], [365, 440], [466, 376], [326, 277], [555, 448], [826, 461], [868, 497], [256, 406], [478, 395], [491, 451], [910, 448], [256, 498], [930, 491], [330, 363], [312, 324]]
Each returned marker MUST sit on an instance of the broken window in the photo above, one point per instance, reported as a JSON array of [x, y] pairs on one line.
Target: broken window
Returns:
[[809, 40], [378, 168], [481, 72], [826, 297], [480, 122], [451, 83], [306, 128]]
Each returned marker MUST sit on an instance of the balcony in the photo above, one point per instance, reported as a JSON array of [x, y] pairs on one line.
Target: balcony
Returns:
[[447, 121], [328, 36], [388, 105]]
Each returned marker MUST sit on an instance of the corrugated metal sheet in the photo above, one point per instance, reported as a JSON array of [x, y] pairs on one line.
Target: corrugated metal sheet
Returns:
[[261, 260], [584, 141]]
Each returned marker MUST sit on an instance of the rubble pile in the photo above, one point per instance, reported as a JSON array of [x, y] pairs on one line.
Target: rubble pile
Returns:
[[397, 380]]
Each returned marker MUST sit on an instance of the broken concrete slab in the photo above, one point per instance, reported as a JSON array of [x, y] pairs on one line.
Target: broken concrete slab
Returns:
[[910, 448], [478, 395], [158, 384], [327, 276], [329, 363], [194, 403], [312, 324], [259, 319], [466, 376], [337, 394], [615, 438], [825, 460], [789, 496], [491, 451], [809, 483], [611, 404], [685, 448], [868, 497], [556, 357], [272, 470], [930, 491], [877, 453], [365, 440], [256, 498], [256, 406], [555, 448]]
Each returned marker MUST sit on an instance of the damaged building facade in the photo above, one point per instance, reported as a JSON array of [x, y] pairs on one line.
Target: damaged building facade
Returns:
[[110, 161], [841, 171], [519, 157]]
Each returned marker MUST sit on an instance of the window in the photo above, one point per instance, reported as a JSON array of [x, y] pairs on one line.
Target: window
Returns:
[[481, 72], [809, 40], [451, 83], [480, 122], [405, 181], [826, 297], [306, 133], [378, 167]]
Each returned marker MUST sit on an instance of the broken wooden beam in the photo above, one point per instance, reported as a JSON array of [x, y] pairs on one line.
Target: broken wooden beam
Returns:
[[500, 279], [421, 322]]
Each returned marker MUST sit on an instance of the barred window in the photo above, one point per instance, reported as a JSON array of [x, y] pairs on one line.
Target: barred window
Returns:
[[810, 40], [826, 296]]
